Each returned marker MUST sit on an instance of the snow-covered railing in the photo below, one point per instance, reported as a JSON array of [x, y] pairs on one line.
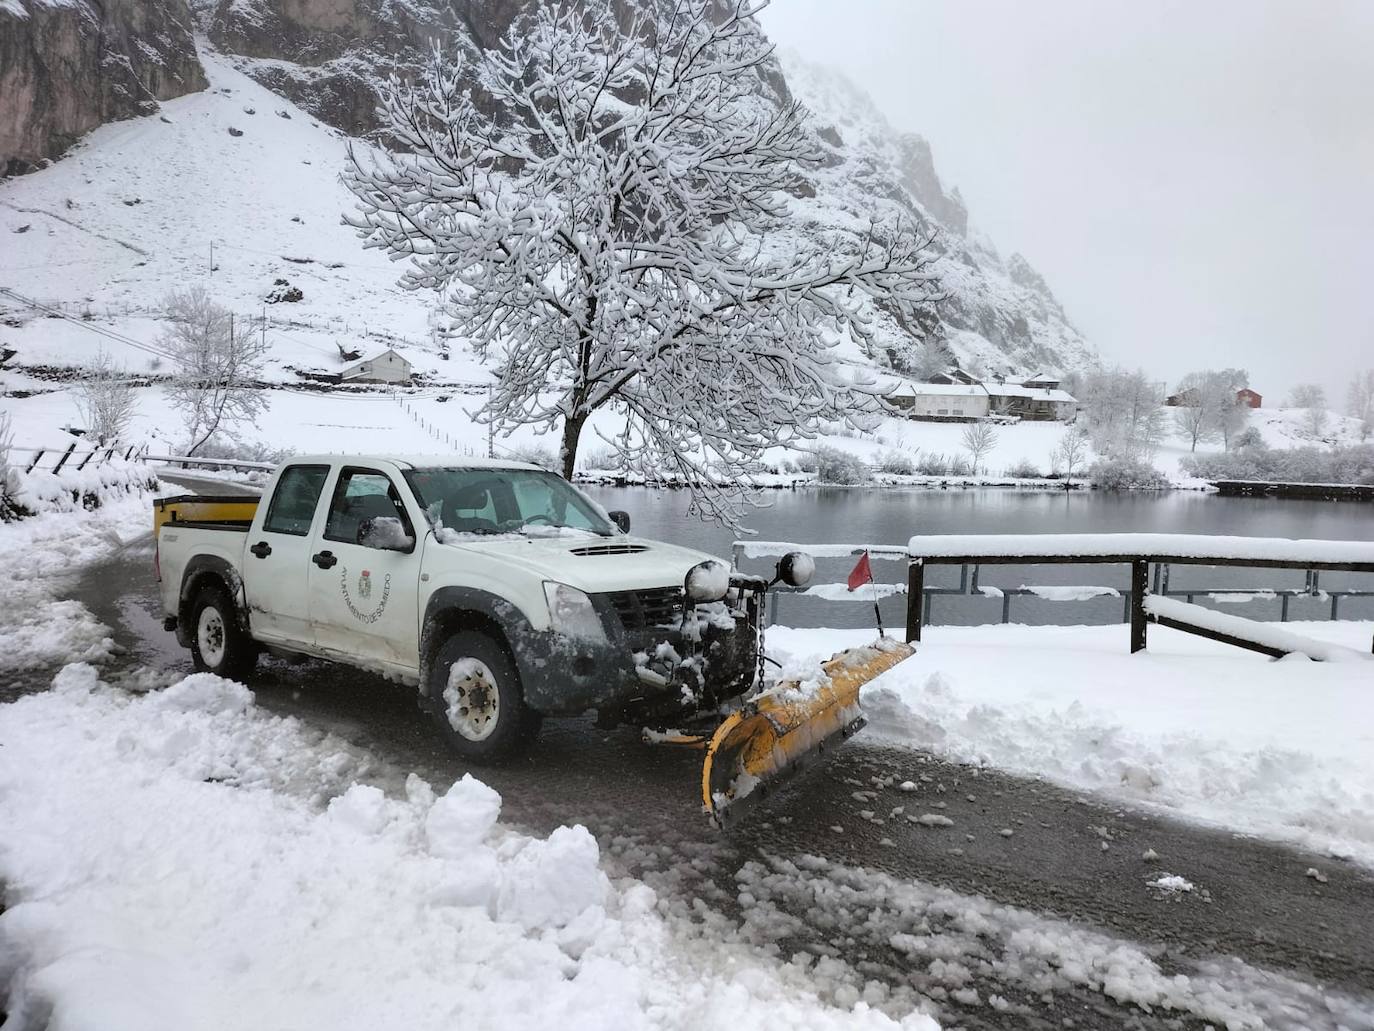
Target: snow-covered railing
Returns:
[[186, 462], [57, 457], [1140, 551]]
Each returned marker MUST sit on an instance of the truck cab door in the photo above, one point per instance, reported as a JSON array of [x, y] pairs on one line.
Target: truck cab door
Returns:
[[365, 575], [277, 558]]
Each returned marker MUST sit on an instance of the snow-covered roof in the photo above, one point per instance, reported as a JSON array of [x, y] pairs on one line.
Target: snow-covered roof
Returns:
[[1017, 390], [449, 461], [358, 365], [937, 390]]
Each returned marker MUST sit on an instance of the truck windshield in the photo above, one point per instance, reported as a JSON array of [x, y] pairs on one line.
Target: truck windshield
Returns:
[[487, 501]]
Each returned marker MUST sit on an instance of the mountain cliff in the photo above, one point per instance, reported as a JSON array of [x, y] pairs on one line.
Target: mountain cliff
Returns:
[[67, 66]]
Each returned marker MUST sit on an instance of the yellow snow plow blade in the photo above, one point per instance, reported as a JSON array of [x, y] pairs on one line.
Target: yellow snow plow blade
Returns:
[[777, 733]]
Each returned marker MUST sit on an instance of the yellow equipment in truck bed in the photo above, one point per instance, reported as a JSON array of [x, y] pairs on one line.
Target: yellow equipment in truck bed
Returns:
[[219, 510]]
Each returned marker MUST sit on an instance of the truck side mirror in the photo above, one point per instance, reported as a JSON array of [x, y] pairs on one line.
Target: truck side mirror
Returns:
[[385, 533], [621, 519]]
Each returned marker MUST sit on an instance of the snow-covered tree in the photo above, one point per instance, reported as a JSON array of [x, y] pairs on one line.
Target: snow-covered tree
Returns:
[[1359, 401], [978, 439], [1122, 412], [1071, 453], [9, 472], [602, 204], [1208, 407], [217, 366], [1312, 398], [106, 400]]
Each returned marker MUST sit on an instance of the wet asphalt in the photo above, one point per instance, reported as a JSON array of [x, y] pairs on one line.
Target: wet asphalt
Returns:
[[1069, 855]]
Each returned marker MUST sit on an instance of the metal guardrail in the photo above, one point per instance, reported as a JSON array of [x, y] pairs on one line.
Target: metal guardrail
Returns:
[[215, 463]]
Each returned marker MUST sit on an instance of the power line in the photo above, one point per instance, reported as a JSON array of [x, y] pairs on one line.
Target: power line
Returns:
[[109, 334]]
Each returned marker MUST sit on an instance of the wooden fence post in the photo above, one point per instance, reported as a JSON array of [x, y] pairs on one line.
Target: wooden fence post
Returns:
[[63, 460], [915, 597], [1140, 586], [36, 456], [88, 457]]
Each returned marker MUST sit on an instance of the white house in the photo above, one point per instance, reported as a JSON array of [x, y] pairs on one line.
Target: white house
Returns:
[[387, 367], [962, 401]]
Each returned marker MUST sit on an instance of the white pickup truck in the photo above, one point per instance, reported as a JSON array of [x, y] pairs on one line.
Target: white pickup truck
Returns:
[[500, 589]]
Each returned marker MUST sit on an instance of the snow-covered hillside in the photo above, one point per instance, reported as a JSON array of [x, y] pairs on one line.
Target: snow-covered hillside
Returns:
[[999, 314]]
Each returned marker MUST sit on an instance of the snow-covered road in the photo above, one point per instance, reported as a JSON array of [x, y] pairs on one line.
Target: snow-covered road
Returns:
[[958, 913]]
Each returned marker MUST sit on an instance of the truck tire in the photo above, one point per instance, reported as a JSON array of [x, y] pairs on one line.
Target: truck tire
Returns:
[[219, 644], [474, 694]]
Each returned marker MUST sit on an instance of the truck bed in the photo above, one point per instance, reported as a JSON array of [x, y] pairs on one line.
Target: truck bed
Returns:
[[205, 512]]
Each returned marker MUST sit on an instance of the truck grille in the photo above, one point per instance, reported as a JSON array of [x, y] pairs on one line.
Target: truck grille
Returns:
[[640, 610]]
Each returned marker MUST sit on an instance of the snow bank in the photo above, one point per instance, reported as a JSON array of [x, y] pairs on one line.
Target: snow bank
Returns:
[[41, 553], [75, 490], [167, 864], [1198, 729]]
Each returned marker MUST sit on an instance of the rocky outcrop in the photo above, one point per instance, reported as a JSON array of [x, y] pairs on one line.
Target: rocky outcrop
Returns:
[[71, 65]]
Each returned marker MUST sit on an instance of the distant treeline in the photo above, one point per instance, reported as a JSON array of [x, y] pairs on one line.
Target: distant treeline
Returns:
[[1255, 461]]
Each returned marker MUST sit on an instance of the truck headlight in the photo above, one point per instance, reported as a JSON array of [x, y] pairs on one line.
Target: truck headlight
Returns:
[[571, 613]]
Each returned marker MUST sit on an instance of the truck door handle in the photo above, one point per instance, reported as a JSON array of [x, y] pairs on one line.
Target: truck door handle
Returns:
[[324, 559], [261, 549]]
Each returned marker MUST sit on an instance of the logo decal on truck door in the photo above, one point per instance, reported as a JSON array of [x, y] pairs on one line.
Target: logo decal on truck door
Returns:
[[364, 592]]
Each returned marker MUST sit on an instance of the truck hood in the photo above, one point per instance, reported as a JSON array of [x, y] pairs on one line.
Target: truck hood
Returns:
[[592, 564]]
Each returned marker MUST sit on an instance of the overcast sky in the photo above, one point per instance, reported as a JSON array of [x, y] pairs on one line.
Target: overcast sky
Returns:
[[1195, 179]]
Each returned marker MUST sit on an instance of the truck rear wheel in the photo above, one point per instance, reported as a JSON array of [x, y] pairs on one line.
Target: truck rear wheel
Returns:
[[219, 644], [474, 694]]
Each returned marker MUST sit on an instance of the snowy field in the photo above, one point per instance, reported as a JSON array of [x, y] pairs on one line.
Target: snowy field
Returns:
[[1281, 749], [176, 857]]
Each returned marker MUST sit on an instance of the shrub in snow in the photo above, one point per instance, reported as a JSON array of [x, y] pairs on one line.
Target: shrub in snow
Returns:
[[1025, 469], [959, 466], [75, 489], [535, 454], [932, 463], [603, 458], [898, 463], [1354, 464], [10, 506], [1126, 474], [806, 462], [840, 467]]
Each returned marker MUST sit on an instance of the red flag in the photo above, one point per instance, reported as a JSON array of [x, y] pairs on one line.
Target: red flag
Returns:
[[862, 573]]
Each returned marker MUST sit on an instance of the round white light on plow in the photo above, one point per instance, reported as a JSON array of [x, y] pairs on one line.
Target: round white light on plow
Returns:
[[796, 568], [707, 581]]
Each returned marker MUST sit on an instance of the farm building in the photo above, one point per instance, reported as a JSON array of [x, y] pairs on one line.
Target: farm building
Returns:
[[955, 401], [387, 367], [1033, 402], [1247, 397]]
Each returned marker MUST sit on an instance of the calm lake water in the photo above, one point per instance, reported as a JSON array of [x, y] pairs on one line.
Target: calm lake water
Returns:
[[860, 516]]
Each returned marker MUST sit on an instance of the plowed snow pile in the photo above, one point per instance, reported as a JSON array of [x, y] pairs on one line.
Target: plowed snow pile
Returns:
[[170, 864], [1283, 749]]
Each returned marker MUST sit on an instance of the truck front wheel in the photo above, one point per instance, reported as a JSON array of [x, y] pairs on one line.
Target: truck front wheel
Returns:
[[219, 644], [474, 694]]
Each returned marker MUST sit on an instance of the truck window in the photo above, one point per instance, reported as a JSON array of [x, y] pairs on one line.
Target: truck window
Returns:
[[293, 505], [362, 494]]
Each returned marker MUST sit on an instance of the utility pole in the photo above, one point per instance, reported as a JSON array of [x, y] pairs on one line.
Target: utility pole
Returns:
[[491, 443]]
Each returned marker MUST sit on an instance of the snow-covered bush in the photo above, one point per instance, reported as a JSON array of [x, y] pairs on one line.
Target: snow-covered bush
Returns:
[[806, 462], [74, 489], [840, 467], [960, 466], [1126, 474], [1353, 464], [897, 463], [933, 463], [535, 454], [10, 506], [603, 458], [1024, 469], [222, 447]]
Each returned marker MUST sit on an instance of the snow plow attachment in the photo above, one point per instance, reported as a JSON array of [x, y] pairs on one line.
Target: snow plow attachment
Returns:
[[778, 732]]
